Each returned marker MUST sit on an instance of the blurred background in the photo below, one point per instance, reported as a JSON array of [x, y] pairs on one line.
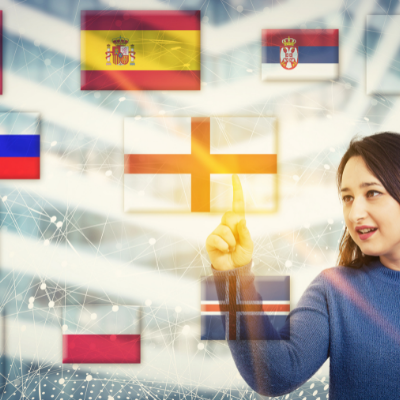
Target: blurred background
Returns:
[[65, 238]]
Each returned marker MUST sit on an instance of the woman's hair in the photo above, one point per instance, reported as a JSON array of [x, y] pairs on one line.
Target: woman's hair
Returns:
[[381, 154]]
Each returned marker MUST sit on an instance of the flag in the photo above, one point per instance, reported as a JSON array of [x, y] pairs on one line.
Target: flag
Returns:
[[234, 315], [185, 164], [19, 146], [300, 54], [101, 334], [1, 52], [140, 50]]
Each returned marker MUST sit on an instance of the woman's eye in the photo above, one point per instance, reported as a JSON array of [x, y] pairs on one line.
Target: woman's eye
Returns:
[[346, 199], [373, 193]]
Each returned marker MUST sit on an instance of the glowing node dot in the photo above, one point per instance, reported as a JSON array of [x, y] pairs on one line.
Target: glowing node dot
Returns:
[[97, 95], [296, 178], [4, 198], [47, 61], [53, 219], [186, 329], [110, 398], [312, 385], [75, 367], [59, 224], [326, 166], [53, 143], [89, 378], [51, 304], [249, 70], [178, 309], [315, 392], [288, 264], [205, 19], [239, 8], [115, 308], [330, 221], [30, 306], [148, 302], [109, 173], [366, 119], [46, 242], [200, 346], [31, 299], [152, 241], [93, 316], [43, 286], [61, 381], [121, 99], [64, 328], [328, 116]]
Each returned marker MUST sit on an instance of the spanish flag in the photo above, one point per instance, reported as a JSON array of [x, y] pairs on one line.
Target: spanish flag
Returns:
[[140, 50]]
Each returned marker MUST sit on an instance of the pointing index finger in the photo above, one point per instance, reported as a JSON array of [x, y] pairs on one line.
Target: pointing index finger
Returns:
[[238, 197]]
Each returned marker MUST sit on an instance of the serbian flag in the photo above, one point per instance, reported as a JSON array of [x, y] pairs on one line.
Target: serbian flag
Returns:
[[140, 50], [183, 164], [101, 334], [19, 146], [300, 54], [233, 317]]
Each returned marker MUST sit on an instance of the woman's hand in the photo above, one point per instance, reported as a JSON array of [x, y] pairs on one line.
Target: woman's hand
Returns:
[[230, 245]]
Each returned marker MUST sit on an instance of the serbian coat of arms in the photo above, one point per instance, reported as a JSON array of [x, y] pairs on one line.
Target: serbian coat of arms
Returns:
[[120, 52], [289, 53]]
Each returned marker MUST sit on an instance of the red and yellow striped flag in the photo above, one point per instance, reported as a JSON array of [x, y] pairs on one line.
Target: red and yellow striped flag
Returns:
[[140, 50]]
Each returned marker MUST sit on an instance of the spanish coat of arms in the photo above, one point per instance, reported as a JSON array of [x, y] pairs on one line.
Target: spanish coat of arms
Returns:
[[120, 52]]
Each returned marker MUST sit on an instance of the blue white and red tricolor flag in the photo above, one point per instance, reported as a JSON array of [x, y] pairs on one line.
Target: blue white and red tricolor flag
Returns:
[[19, 146], [300, 54], [234, 314]]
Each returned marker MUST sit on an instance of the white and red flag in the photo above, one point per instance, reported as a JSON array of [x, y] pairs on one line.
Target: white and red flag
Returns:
[[101, 334]]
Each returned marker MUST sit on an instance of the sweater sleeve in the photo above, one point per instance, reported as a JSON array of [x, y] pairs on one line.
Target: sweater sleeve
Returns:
[[277, 367]]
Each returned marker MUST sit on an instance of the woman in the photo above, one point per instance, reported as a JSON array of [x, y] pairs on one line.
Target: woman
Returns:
[[349, 313]]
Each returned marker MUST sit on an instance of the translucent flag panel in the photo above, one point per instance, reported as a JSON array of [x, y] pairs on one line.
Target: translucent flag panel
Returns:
[[175, 164], [383, 56]]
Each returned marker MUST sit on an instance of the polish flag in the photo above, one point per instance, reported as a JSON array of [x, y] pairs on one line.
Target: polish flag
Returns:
[[101, 334]]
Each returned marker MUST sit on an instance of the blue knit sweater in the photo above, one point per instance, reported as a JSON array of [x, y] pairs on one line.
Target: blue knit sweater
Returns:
[[349, 315]]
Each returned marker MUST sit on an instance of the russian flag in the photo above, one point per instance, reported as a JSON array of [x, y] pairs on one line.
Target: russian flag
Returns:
[[101, 334], [238, 316], [300, 54], [19, 146]]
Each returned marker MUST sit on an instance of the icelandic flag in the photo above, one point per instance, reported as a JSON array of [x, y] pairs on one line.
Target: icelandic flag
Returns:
[[183, 164], [101, 334], [235, 315], [19, 146], [300, 54]]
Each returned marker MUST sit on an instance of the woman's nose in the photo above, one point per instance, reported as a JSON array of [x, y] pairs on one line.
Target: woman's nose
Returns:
[[358, 210]]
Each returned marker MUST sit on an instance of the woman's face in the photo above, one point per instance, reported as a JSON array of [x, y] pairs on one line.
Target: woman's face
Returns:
[[372, 216]]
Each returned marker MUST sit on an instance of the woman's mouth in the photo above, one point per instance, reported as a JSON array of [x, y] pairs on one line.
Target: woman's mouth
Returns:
[[365, 232]]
